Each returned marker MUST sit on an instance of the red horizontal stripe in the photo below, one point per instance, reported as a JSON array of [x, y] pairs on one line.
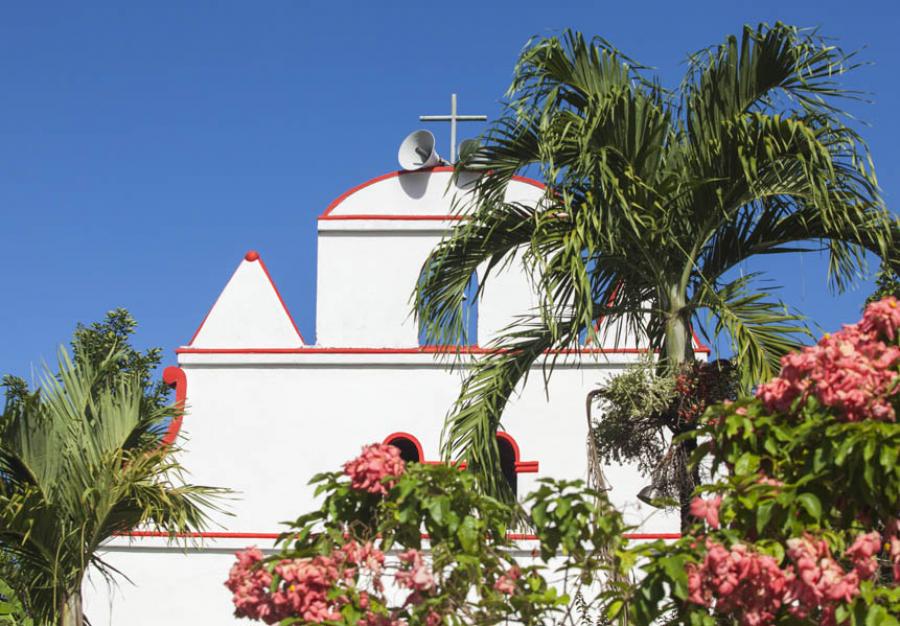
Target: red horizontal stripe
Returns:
[[394, 217], [233, 535], [421, 350]]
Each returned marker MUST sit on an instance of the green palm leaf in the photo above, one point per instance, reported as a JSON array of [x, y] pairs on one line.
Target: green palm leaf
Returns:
[[652, 198]]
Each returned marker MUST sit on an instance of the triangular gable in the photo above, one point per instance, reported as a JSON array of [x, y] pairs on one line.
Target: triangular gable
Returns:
[[249, 313]]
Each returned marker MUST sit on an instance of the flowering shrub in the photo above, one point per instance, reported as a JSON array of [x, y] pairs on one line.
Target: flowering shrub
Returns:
[[397, 545], [852, 373], [372, 470], [801, 526]]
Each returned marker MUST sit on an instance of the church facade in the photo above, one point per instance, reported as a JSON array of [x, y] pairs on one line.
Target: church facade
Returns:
[[266, 410]]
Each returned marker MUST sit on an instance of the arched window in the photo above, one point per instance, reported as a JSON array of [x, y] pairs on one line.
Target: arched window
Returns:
[[409, 446], [508, 463]]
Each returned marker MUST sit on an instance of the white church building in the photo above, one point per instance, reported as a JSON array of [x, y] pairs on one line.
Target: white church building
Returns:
[[266, 409]]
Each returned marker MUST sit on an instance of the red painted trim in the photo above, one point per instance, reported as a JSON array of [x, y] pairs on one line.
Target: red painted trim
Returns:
[[197, 535], [278, 293], [652, 536], [411, 438], [609, 302], [250, 257], [701, 347], [441, 168], [508, 439], [634, 536], [142, 534], [175, 377], [522, 467], [394, 217], [419, 350]]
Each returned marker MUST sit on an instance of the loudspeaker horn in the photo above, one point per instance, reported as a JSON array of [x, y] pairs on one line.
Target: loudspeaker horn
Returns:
[[467, 148], [417, 151]]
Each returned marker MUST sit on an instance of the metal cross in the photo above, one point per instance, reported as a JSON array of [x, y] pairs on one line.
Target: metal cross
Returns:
[[453, 118]]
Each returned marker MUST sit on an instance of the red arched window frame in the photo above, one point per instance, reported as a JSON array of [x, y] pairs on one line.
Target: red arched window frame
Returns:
[[522, 467], [390, 439]]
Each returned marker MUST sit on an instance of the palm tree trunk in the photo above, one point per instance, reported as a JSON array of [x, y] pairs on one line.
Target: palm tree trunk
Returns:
[[677, 350], [71, 613]]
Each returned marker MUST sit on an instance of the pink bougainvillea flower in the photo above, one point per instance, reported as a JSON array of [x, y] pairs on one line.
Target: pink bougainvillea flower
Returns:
[[892, 534], [882, 317], [371, 470], [863, 553], [301, 588], [744, 584], [506, 583], [707, 509], [853, 371], [821, 583], [415, 575]]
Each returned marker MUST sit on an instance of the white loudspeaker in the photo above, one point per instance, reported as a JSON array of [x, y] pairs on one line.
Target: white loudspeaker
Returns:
[[468, 148], [417, 151]]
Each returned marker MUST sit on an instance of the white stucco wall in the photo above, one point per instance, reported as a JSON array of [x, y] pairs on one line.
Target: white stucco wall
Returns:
[[267, 411]]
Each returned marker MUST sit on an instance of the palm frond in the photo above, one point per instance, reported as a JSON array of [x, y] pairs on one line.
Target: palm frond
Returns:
[[761, 331]]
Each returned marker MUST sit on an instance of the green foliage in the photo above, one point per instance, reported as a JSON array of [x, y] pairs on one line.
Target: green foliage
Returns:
[[887, 283], [11, 611], [93, 345], [466, 534], [784, 476], [634, 406], [834, 473], [653, 199], [642, 409], [81, 460]]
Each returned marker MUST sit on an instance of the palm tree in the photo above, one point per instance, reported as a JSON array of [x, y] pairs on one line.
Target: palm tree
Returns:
[[80, 462], [653, 200]]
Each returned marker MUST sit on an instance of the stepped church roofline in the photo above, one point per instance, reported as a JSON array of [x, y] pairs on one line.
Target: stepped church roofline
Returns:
[[372, 241]]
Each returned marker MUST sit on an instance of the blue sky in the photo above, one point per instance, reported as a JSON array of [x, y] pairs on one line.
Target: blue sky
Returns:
[[144, 147]]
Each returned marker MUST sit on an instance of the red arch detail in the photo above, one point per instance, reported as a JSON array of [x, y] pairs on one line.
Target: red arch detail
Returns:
[[411, 438], [522, 467], [441, 168], [176, 378]]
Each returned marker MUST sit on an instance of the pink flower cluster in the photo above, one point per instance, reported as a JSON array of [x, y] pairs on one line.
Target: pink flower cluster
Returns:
[[754, 588], [507, 582], [892, 534], [250, 585], [415, 573], [369, 471], [302, 585], [820, 581], [746, 584], [863, 553], [707, 509], [854, 371]]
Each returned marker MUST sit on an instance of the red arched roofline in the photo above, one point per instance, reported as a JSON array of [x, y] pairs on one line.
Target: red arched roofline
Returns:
[[252, 256], [522, 467], [411, 438], [176, 378], [440, 168]]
